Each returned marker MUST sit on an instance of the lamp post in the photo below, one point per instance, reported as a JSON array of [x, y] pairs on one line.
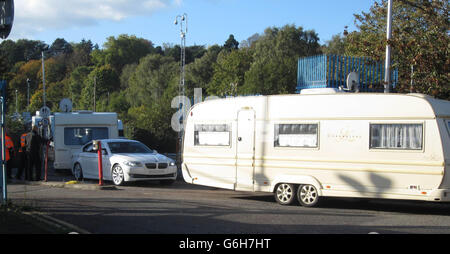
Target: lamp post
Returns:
[[6, 23], [28, 93], [387, 65], [43, 76], [181, 89]]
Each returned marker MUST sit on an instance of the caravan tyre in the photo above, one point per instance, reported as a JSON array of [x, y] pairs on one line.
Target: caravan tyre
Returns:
[[307, 195], [285, 193]]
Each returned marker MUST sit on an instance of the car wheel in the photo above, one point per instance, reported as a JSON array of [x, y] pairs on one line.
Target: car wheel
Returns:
[[307, 195], [77, 172], [285, 193], [118, 176]]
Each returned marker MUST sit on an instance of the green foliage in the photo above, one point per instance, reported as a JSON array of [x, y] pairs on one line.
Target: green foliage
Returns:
[[104, 79], [420, 38], [335, 46], [200, 72], [231, 43], [274, 67], [123, 50], [229, 72], [150, 79]]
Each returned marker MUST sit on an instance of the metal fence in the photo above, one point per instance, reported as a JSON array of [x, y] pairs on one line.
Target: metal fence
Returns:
[[330, 71]]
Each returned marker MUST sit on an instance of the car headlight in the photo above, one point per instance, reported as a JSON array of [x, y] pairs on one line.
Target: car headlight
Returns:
[[172, 163], [133, 163]]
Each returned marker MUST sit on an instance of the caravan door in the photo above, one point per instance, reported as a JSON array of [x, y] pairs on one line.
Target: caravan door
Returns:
[[245, 150]]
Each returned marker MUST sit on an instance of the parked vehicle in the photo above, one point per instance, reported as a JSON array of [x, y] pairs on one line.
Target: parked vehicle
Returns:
[[306, 146], [123, 161], [72, 130]]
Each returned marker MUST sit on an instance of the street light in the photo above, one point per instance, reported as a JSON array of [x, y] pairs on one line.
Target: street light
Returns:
[[183, 32], [387, 65], [28, 93], [181, 88]]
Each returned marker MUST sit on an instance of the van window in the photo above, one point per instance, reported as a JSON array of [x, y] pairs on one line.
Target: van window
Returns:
[[396, 136], [296, 135], [82, 135], [212, 134]]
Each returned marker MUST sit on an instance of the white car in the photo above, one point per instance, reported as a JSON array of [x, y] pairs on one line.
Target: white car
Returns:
[[124, 160]]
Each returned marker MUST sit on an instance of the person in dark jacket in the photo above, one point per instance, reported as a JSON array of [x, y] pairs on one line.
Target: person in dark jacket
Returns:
[[33, 142], [23, 157]]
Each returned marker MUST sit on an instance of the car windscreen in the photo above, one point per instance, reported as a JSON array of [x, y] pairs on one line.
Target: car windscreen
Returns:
[[128, 147]]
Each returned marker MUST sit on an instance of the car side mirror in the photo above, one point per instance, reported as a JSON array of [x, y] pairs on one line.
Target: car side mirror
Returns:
[[104, 152]]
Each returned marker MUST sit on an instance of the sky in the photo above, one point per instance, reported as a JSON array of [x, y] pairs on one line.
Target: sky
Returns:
[[209, 22]]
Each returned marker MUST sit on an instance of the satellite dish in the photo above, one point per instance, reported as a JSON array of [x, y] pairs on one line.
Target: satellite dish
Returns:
[[6, 17], [352, 81], [65, 105]]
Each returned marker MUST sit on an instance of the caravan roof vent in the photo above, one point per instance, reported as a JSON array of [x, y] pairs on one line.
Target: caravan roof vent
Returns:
[[85, 112], [320, 91]]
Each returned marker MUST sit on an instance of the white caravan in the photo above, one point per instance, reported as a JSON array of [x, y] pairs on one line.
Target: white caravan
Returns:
[[305, 146], [74, 129]]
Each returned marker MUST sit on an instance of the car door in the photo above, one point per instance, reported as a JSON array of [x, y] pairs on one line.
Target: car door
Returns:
[[106, 162], [91, 160], [88, 162]]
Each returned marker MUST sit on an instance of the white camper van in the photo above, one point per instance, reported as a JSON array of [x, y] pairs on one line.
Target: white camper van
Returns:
[[74, 129], [306, 146]]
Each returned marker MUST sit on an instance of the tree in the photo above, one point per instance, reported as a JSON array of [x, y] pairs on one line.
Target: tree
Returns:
[[105, 80], [420, 38], [81, 55], [123, 50], [229, 72], [200, 72], [274, 67], [76, 81], [28, 70], [21, 50], [250, 42], [60, 46], [335, 46], [150, 79], [231, 43]]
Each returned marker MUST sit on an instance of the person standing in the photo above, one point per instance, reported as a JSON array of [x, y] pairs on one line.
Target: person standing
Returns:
[[33, 143], [9, 152], [23, 158]]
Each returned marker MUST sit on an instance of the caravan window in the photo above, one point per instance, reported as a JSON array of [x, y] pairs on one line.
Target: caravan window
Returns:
[[296, 135], [396, 136], [82, 135], [212, 134]]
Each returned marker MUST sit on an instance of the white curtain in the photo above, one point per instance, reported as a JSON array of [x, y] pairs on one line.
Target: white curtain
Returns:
[[397, 136]]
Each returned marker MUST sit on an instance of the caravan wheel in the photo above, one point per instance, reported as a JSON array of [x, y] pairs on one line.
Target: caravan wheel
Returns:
[[307, 195], [285, 193]]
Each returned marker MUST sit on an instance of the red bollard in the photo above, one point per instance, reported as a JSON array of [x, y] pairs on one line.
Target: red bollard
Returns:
[[100, 164]]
